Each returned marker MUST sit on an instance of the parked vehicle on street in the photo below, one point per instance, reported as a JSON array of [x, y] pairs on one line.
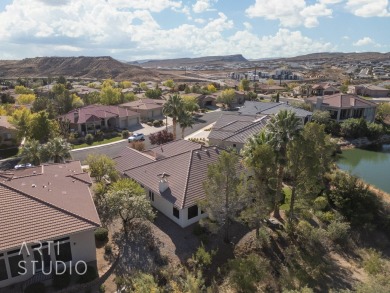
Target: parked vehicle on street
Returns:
[[136, 137]]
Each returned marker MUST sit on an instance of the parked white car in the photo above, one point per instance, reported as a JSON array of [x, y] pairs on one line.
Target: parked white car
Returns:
[[22, 166], [136, 137]]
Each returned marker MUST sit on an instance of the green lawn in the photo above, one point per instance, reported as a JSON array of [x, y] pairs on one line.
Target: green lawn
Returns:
[[104, 141], [287, 192]]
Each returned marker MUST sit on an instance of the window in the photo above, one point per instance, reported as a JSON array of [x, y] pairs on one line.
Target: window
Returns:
[[234, 145], [64, 251], [151, 195], [13, 262], [3, 270], [192, 212], [176, 212], [41, 254]]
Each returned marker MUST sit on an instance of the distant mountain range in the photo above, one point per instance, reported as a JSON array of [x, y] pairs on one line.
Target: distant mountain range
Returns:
[[338, 55], [191, 61], [79, 67]]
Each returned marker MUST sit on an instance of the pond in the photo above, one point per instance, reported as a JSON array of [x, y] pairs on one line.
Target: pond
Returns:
[[371, 164]]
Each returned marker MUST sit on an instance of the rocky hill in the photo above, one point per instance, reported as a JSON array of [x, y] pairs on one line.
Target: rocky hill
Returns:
[[363, 56], [80, 67], [208, 60]]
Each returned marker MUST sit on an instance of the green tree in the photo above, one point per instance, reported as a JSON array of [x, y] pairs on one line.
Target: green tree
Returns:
[[382, 112], [173, 108], [226, 98], [42, 128], [101, 167], [251, 96], [77, 102], [222, 192], [244, 85], [26, 99], [110, 95], [321, 117], [108, 83], [31, 152], [58, 150], [170, 83], [21, 119], [143, 86], [259, 159], [190, 103], [125, 84], [282, 128], [130, 203], [211, 88], [185, 120], [61, 80], [354, 128], [20, 90], [153, 93]]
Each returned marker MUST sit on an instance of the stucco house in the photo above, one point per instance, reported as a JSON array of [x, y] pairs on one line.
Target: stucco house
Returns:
[[172, 175], [369, 90], [344, 106], [47, 219], [8, 132], [96, 117], [232, 130], [147, 108]]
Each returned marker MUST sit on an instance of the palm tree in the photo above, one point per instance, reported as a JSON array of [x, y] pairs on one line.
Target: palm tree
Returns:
[[32, 152], [173, 108], [185, 121], [282, 128], [58, 150]]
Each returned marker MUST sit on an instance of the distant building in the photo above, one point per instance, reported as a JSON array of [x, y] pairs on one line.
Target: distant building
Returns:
[[369, 90]]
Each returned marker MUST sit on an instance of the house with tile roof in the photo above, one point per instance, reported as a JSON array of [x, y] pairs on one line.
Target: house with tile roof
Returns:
[[232, 130], [96, 117], [8, 132], [369, 90], [344, 106], [147, 108], [47, 217], [172, 175], [273, 108]]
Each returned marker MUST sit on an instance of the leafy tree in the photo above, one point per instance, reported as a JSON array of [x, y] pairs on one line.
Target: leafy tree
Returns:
[[22, 90], [153, 93], [62, 80], [143, 86], [354, 128], [108, 83], [21, 119], [173, 108], [259, 158], [58, 150], [185, 121], [211, 88], [244, 85], [128, 97], [282, 128], [42, 128], [246, 273], [91, 98], [160, 137], [102, 166], [382, 112], [31, 152], [222, 191], [125, 84], [77, 102], [26, 99], [6, 98], [144, 283], [321, 117], [374, 130], [270, 81], [110, 95], [169, 83], [190, 103], [130, 203], [226, 97], [251, 96], [44, 103]]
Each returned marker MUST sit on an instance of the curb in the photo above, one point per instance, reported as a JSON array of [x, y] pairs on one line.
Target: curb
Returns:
[[97, 146]]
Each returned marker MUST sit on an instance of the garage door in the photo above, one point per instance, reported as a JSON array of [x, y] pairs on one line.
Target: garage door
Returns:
[[157, 113], [133, 121]]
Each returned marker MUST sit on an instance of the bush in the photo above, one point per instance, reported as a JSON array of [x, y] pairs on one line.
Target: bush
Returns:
[[373, 263], [101, 234], [61, 281], [320, 203], [89, 275], [156, 123], [35, 288], [338, 231], [374, 131], [138, 145], [125, 134], [149, 123], [107, 248], [89, 138], [99, 135], [354, 128]]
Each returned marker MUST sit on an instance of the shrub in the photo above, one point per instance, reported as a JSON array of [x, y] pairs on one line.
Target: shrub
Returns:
[[374, 131], [107, 248], [160, 137], [61, 281], [89, 138], [320, 203], [99, 135], [125, 134], [35, 288], [101, 234], [149, 123], [156, 123], [373, 263], [338, 231], [354, 128], [138, 145], [89, 275]]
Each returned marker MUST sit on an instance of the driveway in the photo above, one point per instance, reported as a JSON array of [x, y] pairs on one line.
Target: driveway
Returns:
[[112, 150]]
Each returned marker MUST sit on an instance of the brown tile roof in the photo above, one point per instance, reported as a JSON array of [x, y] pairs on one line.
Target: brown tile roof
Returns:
[[52, 202], [173, 148], [130, 158], [187, 172], [344, 101], [145, 104], [96, 112]]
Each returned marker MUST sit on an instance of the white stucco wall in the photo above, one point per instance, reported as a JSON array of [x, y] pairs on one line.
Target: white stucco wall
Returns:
[[82, 247]]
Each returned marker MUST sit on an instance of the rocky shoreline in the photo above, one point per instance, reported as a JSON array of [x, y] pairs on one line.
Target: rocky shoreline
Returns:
[[345, 144]]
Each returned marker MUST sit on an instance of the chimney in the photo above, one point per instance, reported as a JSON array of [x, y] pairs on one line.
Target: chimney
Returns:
[[163, 184], [76, 115], [319, 102]]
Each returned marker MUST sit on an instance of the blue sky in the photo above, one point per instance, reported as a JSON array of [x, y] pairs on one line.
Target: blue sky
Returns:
[[155, 29]]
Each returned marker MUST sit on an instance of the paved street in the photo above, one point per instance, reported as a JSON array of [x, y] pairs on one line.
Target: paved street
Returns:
[[114, 149]]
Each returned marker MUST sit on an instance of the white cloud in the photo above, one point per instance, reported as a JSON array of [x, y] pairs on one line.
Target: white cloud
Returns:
[[331, 1], [152, 5], [345, 38], [364, 42], [247, 25], [290, 13], [369, 8], [202, 5], [199, 20], [95, 27]]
